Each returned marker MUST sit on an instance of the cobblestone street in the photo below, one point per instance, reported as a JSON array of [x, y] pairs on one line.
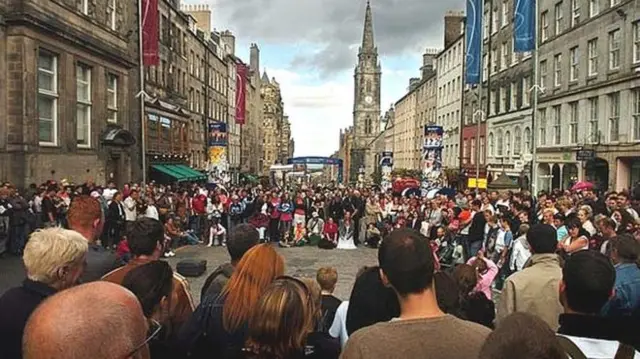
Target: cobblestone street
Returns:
[[299, 261]]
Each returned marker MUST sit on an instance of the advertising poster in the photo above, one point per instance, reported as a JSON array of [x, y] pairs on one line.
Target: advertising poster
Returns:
[[217, 134], [432, 158], [386, 166]]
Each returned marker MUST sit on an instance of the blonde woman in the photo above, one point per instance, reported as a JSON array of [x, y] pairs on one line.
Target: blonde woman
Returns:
[[54, 259]]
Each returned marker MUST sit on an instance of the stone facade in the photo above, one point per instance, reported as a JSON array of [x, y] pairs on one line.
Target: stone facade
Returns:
[[228, 42], [66, 69], [590, 70], [404, 136], [273, 121], [252, 132]]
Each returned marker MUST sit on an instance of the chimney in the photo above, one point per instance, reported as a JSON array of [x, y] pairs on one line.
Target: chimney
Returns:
[[428, 62], [413, 82], [452, 20], [230, 41], [201, 13], [254, 58]]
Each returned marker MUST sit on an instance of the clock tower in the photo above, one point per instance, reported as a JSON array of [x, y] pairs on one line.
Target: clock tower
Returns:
[[366, 105]]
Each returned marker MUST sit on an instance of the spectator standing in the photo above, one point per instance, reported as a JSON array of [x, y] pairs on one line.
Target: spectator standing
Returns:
[[535, 288], [327, 277], [625, 252]]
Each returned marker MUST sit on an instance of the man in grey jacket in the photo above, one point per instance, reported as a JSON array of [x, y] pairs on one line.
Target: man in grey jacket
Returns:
[[242, 238]]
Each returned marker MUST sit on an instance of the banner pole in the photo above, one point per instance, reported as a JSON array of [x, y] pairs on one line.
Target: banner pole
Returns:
[[143, 124], [534, 108]]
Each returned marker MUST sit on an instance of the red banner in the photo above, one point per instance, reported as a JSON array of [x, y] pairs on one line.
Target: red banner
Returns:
[[241, 93], [150, 33]]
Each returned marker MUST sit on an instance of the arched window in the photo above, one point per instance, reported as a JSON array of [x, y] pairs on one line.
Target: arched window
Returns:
[[368, 87], [491, 145], [367, 125], [507, 142], [517, 141], [500, 144], [527, 140]]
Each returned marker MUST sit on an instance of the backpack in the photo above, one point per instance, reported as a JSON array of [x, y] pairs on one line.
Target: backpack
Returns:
[[624, 351]]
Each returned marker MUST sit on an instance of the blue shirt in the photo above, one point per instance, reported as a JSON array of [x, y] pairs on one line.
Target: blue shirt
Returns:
[[627, 291], [562, 232]]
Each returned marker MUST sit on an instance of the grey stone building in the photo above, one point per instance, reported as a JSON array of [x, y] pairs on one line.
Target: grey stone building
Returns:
[[590, 72], [67, 69], [366, 106]]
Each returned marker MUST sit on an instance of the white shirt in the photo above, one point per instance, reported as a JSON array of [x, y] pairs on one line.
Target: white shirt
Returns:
[[130, 210], [152, 212], [520, 254], [339, 327], [597, 348], [108, 193]]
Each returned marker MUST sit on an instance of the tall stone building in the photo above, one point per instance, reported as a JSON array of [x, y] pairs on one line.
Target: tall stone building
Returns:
[[252, 134], [68, 69], [272, 108], [366, 106], [228, 42], [286, 144]]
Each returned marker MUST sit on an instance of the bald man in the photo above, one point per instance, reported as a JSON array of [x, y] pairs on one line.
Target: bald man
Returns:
[[79, 323]]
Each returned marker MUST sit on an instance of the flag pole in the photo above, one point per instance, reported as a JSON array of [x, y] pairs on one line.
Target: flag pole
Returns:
[[142, 96], [537, 88], [480, 113]]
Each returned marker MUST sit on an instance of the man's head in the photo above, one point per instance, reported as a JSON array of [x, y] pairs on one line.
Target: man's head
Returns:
[[542, 239], [327, 277], [146, 238], [476, 204], [85, 216], [587, 282], [243, 237], [55, 257], [607, 226], [76, 328], [625, 249], [406, 262]]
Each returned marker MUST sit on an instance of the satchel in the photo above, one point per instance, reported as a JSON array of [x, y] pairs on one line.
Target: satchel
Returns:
[[191, 267]]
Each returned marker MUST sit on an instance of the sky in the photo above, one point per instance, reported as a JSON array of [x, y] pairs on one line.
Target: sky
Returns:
[[311, 46]]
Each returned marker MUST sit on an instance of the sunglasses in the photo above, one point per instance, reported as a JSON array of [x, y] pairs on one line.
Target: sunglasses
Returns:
[[154, 329]]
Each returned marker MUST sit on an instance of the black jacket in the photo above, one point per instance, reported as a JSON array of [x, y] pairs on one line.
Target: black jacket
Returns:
[[622, 329], [476, 231], [16, 305], [100, 261]]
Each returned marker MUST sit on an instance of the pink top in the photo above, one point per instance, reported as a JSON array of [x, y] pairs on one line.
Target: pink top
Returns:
[[484, 283]]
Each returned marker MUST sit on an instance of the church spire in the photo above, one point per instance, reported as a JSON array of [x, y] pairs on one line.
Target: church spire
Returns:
[[367, 35]]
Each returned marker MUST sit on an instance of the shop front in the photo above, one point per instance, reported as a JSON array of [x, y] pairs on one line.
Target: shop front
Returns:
[[557, 171]]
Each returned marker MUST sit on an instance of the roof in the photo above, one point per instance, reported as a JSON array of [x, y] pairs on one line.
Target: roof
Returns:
[[503, 182]]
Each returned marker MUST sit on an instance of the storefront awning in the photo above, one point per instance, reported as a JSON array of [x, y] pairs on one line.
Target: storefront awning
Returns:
[[189, 173], [165, 170]]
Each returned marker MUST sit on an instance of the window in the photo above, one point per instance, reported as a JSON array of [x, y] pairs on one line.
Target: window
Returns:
[[473, 153], [494, 61], [465, 151], [557, 70], [503, 100], [557, 129], [112, 98], [543, 73], [485, 25], [614, 116], [84, 6], [111, 14], [493, 103], [615, 2], [490, 144], [47, 98], [594, 7], [505, 13], [544, 26], [592, 48], [542, 114], [507, 143], [514, 97], [614, 50], [636, 42], [517, 141], [575, 12], [500, 143], [573, 122], [495, 24], [575, 60], [482, 150], [504, 50], [514, 55], [559, 16], [83, 106], [527, 140], [594, 132], [635, 97], [526, 87]]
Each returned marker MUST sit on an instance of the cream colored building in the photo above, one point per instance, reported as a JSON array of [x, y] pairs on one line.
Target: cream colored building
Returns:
[[272, 108], [405, 142]]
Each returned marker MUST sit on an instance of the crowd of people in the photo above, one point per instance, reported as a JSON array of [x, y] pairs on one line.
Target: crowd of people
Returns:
[[505, 274]]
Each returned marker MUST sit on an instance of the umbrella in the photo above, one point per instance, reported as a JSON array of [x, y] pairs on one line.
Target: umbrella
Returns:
[[581, 186]]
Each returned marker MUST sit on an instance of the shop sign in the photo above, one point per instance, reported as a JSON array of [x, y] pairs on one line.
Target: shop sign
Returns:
[[585, 155]]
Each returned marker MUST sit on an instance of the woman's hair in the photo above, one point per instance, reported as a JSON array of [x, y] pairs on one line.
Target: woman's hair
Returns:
[[150, 283], [282, 320], [466, 276], [49, 250], [255, 271], [588, 211], [371, 301], [522, 336]]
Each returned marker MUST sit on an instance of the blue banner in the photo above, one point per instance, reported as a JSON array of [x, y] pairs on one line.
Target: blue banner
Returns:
[[473, 33], [524, 25], [217, 134]]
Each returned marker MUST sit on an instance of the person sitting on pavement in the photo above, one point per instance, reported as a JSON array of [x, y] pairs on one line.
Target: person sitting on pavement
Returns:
[[243, 237], [85, 216], [588, 279], [96, 320], [535, 288], [146, 238], [54, 260], [406, 265]]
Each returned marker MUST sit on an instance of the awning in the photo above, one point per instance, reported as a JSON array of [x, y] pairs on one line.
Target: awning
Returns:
[[189, 173], [164, 169]]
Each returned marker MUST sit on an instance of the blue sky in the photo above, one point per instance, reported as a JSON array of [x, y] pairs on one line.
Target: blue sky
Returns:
[[311, 49]]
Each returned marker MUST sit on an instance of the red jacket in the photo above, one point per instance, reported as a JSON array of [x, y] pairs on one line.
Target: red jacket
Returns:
[[199, 204]]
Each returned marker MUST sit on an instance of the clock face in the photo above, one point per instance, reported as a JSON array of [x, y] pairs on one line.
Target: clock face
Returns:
[[368, 99]]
